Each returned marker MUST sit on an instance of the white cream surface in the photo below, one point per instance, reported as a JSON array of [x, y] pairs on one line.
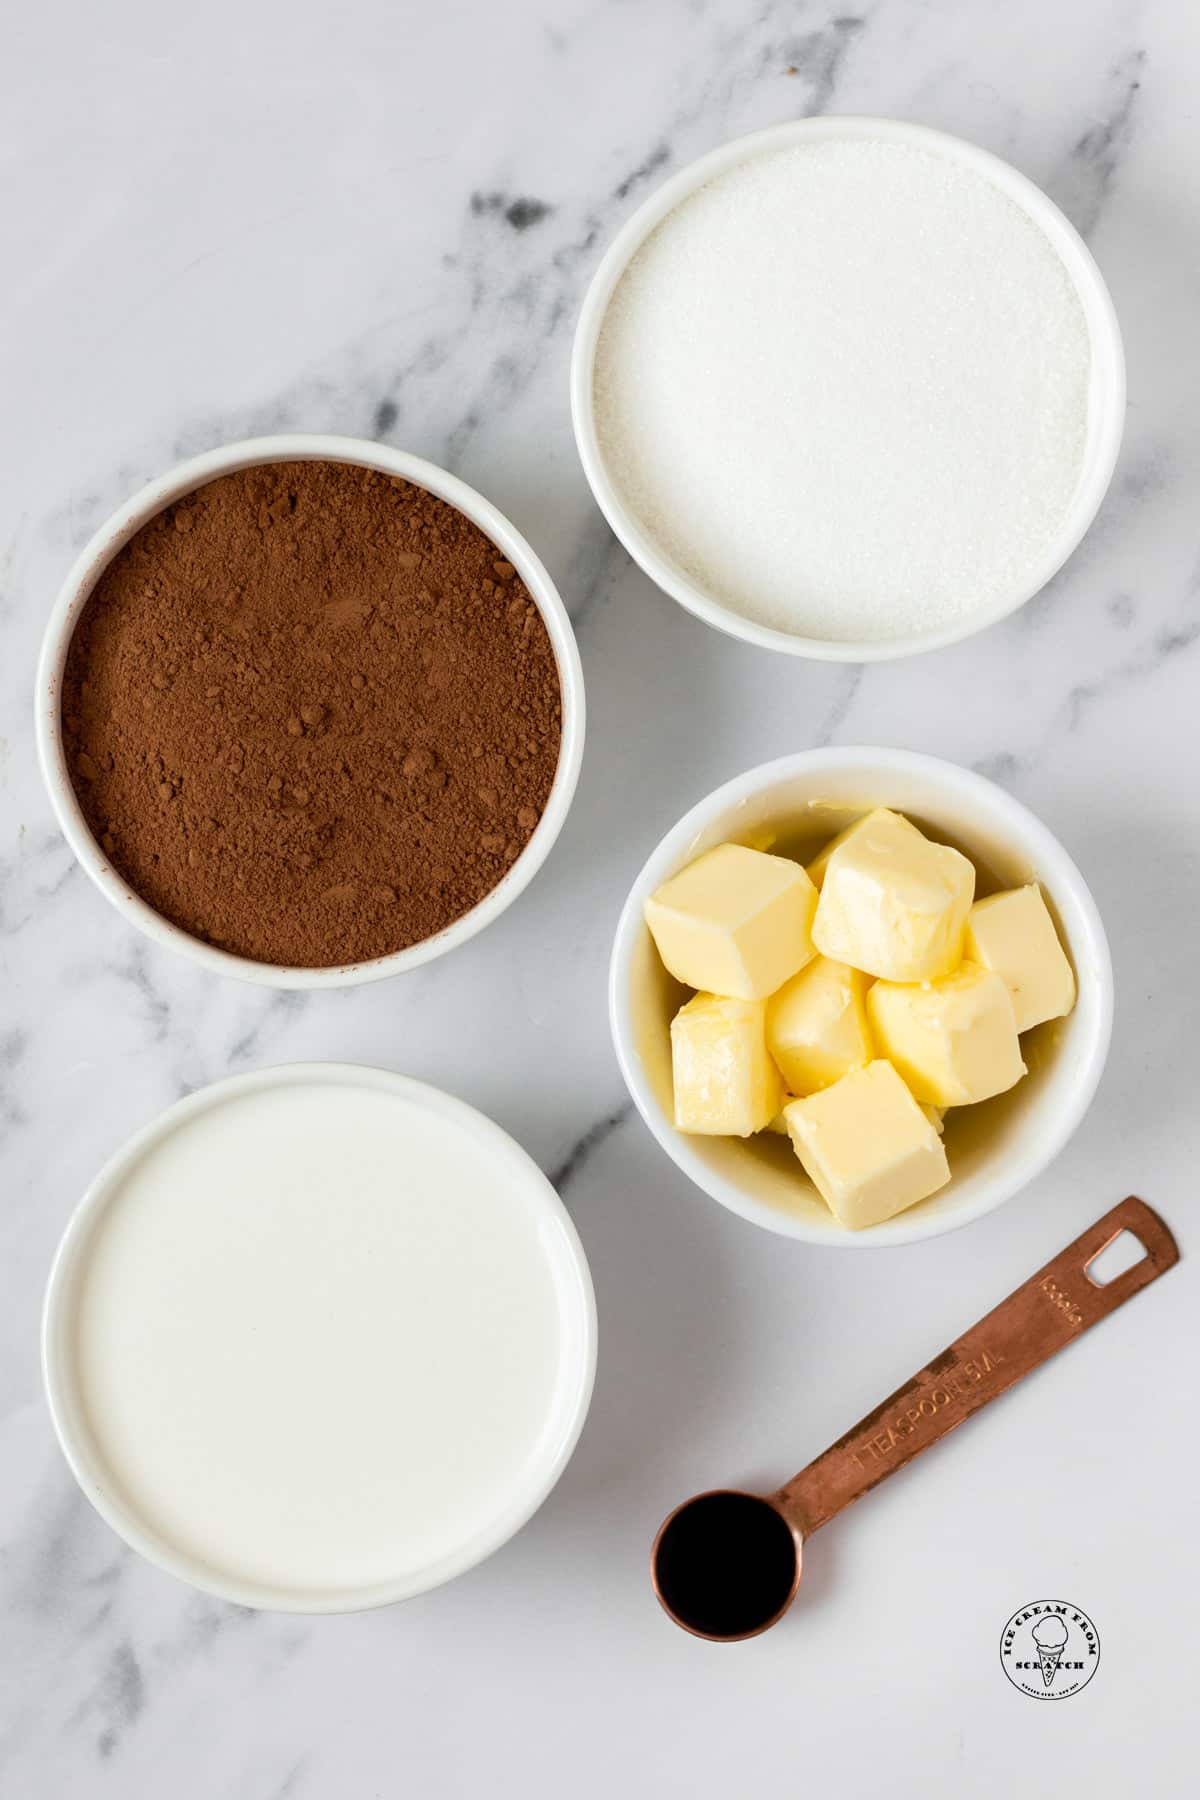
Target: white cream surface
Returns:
[[320, 1331]]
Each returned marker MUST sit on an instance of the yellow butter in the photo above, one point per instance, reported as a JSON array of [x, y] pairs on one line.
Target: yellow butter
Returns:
[[892, 902], [936, 1116], [1013, 935], [867, 1147], [820, 862], [954, 1040], [817, 1025], [725, 1081], [778, 1125], [736, 921]]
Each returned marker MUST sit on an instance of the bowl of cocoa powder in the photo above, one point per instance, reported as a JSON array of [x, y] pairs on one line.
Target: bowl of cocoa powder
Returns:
[[310, 710]]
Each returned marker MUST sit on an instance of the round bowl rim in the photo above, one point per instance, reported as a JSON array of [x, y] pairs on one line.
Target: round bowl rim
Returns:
[[1028, 832], [182, 479], [1108, 364], [59, 1387]]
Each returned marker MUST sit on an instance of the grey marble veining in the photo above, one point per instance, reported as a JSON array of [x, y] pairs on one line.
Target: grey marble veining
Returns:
[[382, 223]]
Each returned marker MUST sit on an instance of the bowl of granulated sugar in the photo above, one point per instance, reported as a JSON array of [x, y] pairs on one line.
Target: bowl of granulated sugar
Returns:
[[849, 388]]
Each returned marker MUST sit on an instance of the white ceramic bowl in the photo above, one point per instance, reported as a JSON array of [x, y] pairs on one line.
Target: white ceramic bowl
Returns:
[[1106, 393], [116, 533], [558, 1241], [995, 1149]]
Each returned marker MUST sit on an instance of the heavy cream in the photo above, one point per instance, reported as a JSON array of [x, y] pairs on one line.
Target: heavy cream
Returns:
[[328, 1335]]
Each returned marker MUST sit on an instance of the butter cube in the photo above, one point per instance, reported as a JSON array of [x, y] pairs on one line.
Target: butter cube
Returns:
[[820, 862], [778, 1125], [867, 1147], [736, 921], [893, 903], [937, 1118], [725, 1082], [954, 1041], [817, 1025], [1013, 935]]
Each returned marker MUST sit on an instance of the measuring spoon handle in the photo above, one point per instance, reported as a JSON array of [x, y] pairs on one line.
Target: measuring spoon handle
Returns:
[[1049, 1311]]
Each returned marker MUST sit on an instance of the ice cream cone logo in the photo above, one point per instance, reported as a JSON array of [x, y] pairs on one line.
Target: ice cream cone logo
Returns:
[[1050, 1636], [1050, 1649]]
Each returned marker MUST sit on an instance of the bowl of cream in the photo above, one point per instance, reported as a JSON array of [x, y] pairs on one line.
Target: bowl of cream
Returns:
[[848, 388], [319, 1338]]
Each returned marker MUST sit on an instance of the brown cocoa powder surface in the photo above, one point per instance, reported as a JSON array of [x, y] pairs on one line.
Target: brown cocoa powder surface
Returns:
[[311, 714]]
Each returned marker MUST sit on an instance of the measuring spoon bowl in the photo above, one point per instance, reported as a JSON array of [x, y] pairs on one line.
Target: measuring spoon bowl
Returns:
[[726, 1564]]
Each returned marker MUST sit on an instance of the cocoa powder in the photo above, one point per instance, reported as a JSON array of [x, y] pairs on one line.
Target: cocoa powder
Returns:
[[311, 714]]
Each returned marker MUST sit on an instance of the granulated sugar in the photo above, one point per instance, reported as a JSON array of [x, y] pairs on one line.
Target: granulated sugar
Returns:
[[844, 387]]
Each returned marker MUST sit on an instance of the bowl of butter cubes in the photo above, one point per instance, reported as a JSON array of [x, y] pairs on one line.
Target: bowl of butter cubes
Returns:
[[861, 996]]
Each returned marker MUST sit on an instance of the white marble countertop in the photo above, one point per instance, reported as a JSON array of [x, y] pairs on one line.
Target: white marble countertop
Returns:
[[379, 220]]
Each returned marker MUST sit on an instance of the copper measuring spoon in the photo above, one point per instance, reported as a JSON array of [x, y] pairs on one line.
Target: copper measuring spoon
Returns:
[[726, 1564]]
